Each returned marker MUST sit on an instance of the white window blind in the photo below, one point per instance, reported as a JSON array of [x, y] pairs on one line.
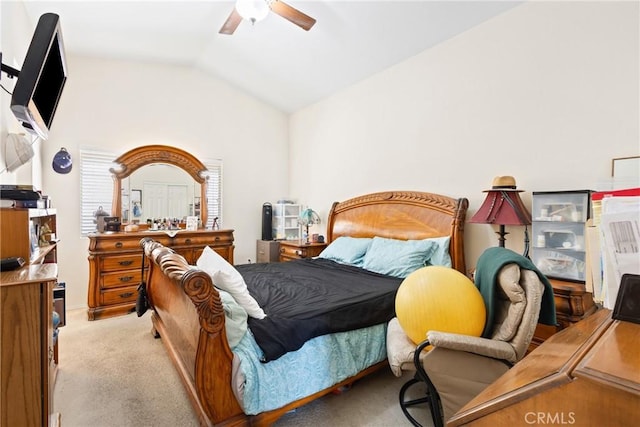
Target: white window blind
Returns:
[[214, 191], [96, 186]]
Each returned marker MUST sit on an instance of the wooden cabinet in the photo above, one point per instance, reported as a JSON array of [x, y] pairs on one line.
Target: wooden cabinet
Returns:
[[115, 264], [267, 251], [29, 234], [295, 249], [586, 374], [27, 364], [573, 304]]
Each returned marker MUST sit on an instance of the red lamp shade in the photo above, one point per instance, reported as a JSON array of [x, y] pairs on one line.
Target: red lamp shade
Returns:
[[503, 208]]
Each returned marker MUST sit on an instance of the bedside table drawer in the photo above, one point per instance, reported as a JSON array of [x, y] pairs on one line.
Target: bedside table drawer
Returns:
[[299, 250]]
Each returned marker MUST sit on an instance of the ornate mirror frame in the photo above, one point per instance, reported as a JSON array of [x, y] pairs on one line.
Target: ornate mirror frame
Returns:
[[145, 155]]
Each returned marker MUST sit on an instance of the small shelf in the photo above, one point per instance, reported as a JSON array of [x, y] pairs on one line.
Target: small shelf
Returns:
[[558, 227]]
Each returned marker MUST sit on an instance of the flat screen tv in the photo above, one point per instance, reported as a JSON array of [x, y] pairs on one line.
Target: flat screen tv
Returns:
[[42, 77]]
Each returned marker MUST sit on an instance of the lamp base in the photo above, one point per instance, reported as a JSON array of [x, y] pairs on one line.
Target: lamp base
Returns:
[[501, 234]]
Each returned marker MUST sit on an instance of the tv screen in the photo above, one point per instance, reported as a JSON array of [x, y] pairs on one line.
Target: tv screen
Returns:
[[42, 77]]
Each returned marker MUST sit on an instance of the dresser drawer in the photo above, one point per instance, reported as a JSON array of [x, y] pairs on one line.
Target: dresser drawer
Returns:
[[223, 239], [124, 242], [121, 262], [120, 278], [119, 296]]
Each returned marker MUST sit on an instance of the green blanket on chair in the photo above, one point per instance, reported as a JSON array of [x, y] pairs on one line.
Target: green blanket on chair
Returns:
[[489, 264]]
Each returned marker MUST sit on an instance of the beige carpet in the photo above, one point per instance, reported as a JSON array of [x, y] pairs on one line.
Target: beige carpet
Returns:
[[112, 372]]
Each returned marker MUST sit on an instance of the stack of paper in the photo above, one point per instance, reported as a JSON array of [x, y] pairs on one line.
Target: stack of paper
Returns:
[[613, 242]]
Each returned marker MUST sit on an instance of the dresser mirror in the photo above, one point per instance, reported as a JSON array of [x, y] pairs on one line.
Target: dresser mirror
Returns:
[[147, 178]]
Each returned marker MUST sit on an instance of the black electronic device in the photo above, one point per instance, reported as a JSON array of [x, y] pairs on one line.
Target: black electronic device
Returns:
[[19, 194], [42, 77], [11, 263], [267, 218], [627, 305]]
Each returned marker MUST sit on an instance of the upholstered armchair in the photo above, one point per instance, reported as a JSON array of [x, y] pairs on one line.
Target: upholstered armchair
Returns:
[[454, 367]]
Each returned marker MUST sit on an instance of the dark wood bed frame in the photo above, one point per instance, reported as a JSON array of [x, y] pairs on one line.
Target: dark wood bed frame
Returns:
[[188, 314]]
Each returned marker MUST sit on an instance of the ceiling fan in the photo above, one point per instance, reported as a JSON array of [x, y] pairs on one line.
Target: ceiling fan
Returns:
[[256, 10]]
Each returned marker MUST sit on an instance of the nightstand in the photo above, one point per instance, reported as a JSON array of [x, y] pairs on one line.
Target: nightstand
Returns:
[[296, 249]]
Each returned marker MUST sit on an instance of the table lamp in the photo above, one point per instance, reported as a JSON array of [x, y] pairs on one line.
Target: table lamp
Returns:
[[503, 206], [308, 217]]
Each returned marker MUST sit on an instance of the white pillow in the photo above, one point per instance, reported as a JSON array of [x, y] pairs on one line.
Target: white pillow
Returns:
[[227, 278]]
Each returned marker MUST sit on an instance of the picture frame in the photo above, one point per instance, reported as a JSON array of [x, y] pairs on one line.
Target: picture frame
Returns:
[[626, 167], [192, 223]]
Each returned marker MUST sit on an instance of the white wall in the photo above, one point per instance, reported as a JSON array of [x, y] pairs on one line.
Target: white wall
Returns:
[[547, 92], [15, 35]]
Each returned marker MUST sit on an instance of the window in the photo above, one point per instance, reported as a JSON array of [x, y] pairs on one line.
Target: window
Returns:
[[97, 187], [214, 191]]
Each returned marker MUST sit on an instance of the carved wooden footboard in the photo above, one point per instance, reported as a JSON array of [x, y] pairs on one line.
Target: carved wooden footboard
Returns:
[[188, 313], [189, 317]]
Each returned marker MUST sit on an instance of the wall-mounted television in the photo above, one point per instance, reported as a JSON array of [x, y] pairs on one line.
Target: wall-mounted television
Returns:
[[43, 75]]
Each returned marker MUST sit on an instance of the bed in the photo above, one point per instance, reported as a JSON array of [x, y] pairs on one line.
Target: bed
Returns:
[[189, 316]]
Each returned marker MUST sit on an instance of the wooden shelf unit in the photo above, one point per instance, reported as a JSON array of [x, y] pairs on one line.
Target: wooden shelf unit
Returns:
[[27, 361], [21, 234]]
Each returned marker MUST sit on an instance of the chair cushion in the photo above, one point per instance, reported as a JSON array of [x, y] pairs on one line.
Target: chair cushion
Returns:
[[459, 376], [400, 349], [510, 304]]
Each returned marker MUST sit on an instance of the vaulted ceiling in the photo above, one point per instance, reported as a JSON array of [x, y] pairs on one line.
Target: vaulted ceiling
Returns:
[[273, 60]]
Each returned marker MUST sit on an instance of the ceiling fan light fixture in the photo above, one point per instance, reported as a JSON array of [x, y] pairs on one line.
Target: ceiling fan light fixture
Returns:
[[253, 10]]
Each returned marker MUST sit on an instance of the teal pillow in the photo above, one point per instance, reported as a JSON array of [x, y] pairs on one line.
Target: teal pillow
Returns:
[[235, 318], [441, 254], [398, 258], [347, 250]]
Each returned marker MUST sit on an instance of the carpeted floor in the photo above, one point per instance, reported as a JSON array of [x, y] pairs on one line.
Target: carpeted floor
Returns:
[[112, 372]]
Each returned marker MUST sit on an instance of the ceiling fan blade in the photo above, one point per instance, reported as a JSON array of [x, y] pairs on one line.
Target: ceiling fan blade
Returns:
[[292, 14], [231, 23]]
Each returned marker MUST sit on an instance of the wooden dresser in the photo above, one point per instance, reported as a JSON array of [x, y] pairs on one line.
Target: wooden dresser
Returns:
[[115, 264], [585, 375], [26, 346]]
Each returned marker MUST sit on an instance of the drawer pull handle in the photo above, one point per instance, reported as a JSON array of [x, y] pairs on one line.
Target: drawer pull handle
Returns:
[[187, 241], [126, 278], [217, 239], [282, 250], [299, 253], [125, 263], [126, 295], [119, 245]]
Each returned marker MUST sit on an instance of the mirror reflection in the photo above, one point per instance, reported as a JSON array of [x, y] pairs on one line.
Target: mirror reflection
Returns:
[[159, 191]]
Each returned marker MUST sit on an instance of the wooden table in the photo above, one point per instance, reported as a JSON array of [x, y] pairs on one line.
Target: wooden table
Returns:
[[585, 375]]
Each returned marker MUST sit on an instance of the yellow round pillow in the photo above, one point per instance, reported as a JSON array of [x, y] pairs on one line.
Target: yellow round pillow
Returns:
[[439, 299]]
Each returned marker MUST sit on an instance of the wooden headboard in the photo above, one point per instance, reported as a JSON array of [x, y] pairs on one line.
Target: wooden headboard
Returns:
[[405, 215]]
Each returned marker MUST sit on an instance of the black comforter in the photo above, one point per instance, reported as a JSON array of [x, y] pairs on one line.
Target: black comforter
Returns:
[[307, 298]]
